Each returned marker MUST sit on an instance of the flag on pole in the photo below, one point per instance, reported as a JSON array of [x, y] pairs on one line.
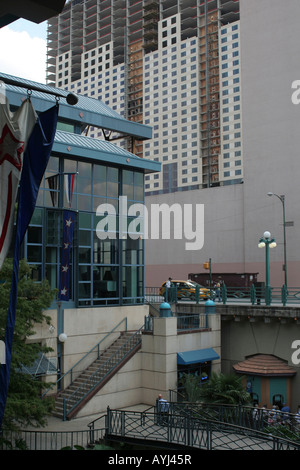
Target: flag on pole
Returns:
[[65, 274], [15, 129], [69, 186], [36, 158]]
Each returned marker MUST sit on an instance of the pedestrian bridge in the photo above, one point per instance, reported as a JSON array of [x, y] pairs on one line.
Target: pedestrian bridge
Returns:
[[180, 431]]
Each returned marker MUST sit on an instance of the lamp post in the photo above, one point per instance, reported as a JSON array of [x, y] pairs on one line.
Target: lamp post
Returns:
[[282, 200], [268, 242]]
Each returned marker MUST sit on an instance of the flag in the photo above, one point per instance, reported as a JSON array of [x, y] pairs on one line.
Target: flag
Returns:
[[69, 186], [36, 158], [65, 275], [15, 129]]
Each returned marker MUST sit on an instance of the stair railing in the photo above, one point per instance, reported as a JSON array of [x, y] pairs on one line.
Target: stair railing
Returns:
[[94, 353], [73, 400]]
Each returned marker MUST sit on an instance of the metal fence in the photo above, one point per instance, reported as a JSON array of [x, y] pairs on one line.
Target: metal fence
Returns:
[[272, 421], [255, 295], [189, 431], [49, 440], [207, 427], [184, 322]]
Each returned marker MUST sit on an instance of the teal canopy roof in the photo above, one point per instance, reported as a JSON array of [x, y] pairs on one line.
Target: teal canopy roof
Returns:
[[197, 356], [76, 145], [88, 111]]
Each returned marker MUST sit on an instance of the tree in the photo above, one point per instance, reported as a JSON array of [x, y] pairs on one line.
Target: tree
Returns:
[[219, 389], [24, 405], [224, 389]]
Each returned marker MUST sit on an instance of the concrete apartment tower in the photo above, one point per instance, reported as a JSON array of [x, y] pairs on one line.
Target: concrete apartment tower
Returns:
[[155, 62], [214, 80]]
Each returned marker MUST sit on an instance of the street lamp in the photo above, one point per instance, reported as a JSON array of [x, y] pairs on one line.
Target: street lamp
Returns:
[[268, 242], [282, 200]]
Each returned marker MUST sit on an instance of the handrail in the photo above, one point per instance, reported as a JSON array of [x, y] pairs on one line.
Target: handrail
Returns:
[[253, 294], [152, 307], [96, 378], [185, 322], [70, 371], [147, 425], [274, 421], [195, 432]]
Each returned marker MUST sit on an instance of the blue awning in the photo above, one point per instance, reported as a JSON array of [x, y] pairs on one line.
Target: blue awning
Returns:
[[194, 357]]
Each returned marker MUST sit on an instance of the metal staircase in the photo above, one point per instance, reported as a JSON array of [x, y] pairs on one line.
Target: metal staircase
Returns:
[[70, 400]]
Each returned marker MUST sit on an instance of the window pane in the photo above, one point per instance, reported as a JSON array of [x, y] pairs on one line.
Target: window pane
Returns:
[[84, 255], [105, 251], [112, 182], [51, 255], [84, 178], [84, 238], [84, 273], [132, 281], [105, 282], [132, 251], [84, 203], [139, 187], [99, 184], [127, 184], [34, 254], [51, 275], [84, 220], [37, 218], [34, 235], [84, 290]]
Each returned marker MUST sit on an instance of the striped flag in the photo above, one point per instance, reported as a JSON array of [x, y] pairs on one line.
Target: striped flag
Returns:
[[69, 187], [36, 158], [15, 129]]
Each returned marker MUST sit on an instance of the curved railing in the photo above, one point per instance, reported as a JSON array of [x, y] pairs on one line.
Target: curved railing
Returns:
[[179, 427], [189, 431], [280, 423]]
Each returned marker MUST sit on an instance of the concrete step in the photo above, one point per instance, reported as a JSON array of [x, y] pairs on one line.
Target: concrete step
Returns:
[[100, 368]]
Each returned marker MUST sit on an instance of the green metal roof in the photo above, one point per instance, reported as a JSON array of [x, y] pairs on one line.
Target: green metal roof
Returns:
[[88, 111], [76, 145]]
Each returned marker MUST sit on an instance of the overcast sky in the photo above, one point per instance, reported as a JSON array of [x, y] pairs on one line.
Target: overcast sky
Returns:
[[23, 50]]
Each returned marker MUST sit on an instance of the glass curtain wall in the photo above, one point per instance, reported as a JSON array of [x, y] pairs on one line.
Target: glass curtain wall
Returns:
[[108, 262]]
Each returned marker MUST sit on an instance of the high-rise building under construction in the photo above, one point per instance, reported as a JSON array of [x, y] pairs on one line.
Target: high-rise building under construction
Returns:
[[171, 64]]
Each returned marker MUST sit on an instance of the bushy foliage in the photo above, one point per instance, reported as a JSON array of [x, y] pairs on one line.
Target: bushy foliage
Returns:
[[219, 389], [24, 405]]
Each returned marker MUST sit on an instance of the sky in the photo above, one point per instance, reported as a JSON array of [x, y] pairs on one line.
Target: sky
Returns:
[[23, 50]]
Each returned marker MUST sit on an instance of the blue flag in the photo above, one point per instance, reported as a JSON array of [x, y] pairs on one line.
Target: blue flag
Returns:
[[68, 231], [35, 161]]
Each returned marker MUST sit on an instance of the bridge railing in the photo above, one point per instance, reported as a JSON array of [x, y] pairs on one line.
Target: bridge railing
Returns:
[[179, 427], [184, 322], [276, 422], [255, 295], [190, 431]]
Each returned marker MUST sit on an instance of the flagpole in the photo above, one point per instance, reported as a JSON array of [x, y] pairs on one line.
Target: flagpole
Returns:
[[71, 98]]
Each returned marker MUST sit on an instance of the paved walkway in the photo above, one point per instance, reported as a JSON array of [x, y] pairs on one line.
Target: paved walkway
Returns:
[[80, 424]]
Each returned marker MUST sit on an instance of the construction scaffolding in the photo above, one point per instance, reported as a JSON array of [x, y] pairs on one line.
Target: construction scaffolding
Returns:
[[130, 30]]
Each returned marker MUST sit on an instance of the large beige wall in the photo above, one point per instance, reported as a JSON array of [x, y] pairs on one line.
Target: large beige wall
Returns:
[[86, 327]]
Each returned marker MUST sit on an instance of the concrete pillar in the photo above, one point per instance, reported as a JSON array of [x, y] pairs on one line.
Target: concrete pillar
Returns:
[[159, 362]]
